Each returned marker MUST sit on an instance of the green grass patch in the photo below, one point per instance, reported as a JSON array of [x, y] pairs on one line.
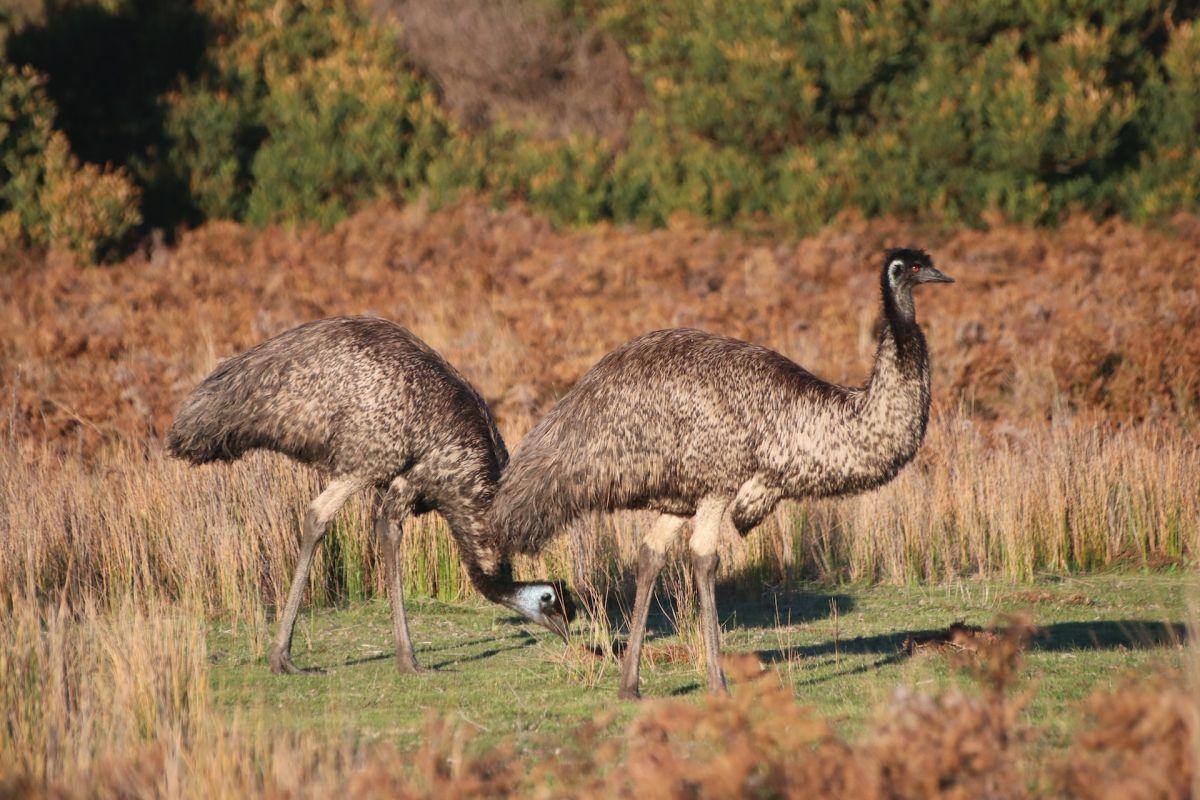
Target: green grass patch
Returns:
[[514, 682]]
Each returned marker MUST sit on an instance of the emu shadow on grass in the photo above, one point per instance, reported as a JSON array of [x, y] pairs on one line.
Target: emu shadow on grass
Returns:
[[500, 644], [744, 602], [1057, 637]]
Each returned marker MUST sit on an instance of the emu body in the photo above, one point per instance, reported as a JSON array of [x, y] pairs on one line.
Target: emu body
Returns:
[[371, 406], [695, 425]]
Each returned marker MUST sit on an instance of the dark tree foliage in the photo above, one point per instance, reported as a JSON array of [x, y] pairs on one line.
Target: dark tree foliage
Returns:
[[781, 113]]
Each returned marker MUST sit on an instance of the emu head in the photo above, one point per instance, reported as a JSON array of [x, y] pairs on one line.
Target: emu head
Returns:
[[904, 268], [549, 604]]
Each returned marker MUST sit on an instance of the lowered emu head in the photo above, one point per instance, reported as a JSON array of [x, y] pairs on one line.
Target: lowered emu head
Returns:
[[549, 604], [905, 267]]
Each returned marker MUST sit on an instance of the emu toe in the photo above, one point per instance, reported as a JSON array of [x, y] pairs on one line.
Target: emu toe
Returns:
[[408, 667], [629, 693], [281, 664]]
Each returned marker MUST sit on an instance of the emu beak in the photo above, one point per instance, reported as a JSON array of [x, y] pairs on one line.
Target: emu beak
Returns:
[[937, 276], [559, 626]]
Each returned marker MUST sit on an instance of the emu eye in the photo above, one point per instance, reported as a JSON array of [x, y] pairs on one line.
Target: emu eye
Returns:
[[547, 597], [916, 267]]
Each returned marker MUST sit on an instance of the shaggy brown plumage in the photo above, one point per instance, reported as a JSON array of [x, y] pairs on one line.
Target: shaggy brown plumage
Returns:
[[372, 406], [688, 423]]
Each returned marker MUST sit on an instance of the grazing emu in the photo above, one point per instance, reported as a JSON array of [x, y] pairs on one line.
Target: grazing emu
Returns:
[[690, 424], [372, 406]]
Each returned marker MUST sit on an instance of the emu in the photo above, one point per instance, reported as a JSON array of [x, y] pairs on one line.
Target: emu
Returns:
[[371, 406], [691, 424]]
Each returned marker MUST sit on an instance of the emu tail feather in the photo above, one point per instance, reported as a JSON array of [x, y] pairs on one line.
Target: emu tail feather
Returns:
[[204, 430], [241, 406]]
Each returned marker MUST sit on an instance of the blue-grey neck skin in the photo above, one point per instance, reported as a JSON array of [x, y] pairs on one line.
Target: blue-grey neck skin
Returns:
[[548, 604], [898, 305]]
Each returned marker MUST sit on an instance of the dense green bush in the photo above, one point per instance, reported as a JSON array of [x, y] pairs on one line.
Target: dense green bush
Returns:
[[935, 108], [305, 111], [47, 197], [297, 111], [776, 112], [1168, 173]]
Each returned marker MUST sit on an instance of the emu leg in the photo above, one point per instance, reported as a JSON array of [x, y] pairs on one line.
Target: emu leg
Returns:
[[710, 517], [316, 519], [390, 530], [650, 563], [704, 567]]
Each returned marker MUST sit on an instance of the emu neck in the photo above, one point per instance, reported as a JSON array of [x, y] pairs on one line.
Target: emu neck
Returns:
[[907, 343], [490, 573], [894, 407], [899, 310], [497, 585]]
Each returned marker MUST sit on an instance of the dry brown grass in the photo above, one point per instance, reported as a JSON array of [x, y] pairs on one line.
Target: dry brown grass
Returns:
[[223, 538], [79, 689]]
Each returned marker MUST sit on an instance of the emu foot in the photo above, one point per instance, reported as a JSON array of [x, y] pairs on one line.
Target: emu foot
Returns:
[[718, 687], [629, 693], [281, 664], [408, 666]]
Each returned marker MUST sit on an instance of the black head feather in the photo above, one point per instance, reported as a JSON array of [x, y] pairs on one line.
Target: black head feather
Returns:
[[909, 255]]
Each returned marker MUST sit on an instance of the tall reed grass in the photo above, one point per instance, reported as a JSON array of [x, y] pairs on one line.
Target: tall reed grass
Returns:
[[85, 686], [222, 539]]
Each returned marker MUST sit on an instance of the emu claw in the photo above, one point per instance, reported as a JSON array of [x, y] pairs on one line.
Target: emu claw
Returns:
[[408, 668], [281, 664]]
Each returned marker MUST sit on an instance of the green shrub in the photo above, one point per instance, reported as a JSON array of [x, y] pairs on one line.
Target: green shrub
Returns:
[[764, 111], [664, 171], [47, 197], [569, 180], [26, 124], [1168, 175], [86, 209], [214, 136], [939, 109], [464, 162], [306, 111], [340, 131]]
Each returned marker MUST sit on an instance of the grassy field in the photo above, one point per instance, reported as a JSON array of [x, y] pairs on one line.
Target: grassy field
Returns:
[[1058, 479], [860, 697], [841, 650]]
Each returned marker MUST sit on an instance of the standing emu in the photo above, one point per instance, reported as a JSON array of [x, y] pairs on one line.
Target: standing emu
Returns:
[[690, 424], [373, 407]]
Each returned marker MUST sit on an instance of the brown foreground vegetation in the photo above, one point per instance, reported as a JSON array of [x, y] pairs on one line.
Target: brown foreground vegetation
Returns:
[[118, 706]]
